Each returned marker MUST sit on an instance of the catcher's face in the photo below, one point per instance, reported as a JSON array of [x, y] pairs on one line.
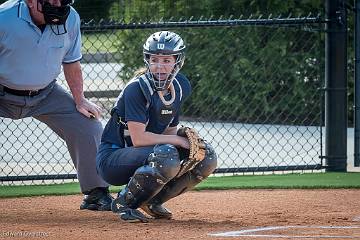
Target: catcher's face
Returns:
[[161, 66]]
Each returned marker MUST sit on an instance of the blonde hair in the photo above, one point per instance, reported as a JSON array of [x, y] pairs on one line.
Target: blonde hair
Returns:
[[140, 71]]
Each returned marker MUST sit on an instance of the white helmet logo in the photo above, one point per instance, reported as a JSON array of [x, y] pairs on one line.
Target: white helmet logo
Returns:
[[160, 46]]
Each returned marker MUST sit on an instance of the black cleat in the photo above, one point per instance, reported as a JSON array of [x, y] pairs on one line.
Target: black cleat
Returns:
[[157, 211], [125, 213], [97, 199]]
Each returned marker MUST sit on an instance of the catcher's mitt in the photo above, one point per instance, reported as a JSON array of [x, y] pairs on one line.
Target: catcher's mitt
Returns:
[[197, 150]]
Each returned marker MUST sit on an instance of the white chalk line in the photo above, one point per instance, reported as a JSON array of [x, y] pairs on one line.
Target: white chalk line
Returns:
[[250, 232]]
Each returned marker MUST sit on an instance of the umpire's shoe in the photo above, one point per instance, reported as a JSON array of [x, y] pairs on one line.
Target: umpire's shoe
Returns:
[[126, 213], [98, 199], [157, 211]]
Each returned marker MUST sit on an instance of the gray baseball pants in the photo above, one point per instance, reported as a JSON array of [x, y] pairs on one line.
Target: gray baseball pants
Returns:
[[55, 107]]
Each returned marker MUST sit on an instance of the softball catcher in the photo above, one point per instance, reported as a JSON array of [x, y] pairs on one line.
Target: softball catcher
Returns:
[[142, 146]]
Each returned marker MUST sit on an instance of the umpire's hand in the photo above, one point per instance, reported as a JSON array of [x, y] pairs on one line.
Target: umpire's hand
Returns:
[[89, 109]]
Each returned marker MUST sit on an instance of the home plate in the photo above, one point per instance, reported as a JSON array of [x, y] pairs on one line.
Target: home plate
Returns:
[[347, 232]]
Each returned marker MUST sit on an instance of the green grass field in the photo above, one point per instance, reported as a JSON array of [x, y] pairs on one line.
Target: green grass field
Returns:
[[285, 181]]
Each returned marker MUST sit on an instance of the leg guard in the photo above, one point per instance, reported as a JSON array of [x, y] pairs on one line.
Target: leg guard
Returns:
[[187, 181], [163, 165]]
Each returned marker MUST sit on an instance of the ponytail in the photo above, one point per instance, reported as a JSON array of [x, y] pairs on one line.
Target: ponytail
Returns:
[[140, 71]]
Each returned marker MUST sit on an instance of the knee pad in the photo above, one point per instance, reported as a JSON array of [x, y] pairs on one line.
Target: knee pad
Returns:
[[143, 185], [165, 159], [190, 179], [206, 166], [148, 180]]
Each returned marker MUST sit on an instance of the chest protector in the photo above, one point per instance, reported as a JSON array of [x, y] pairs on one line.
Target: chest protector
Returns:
[[148, 93]]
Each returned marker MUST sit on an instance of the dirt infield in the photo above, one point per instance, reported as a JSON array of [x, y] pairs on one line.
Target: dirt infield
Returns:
[[235, 214]]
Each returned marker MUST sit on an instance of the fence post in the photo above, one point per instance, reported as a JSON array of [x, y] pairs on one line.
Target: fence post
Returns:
[[336, 86], [356, 86]]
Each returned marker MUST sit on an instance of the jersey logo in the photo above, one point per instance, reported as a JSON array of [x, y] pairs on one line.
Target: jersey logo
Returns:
[[160, 46], [166, 112]]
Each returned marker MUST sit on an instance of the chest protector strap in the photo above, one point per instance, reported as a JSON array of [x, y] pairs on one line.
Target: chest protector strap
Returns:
[[146, 89]]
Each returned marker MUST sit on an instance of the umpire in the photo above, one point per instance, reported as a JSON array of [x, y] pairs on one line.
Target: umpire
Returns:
[[36, 38]]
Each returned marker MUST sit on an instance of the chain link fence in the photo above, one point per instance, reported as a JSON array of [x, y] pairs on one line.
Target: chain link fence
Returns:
[[257, 94]]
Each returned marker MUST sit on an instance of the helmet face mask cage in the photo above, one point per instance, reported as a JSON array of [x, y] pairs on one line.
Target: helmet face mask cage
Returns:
[[163, 43], [158, 83]]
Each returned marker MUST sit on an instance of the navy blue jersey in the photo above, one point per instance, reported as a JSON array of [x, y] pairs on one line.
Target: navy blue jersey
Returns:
[[138, 102]]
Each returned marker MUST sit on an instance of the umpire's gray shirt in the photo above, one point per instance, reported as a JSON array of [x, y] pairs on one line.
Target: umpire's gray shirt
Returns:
[[30, 59]]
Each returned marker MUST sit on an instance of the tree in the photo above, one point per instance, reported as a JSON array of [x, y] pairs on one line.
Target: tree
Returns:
[[247, 73], [93, 9]]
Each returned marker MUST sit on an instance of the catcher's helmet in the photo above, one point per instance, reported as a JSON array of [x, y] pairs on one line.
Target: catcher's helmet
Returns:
[[164, 43]]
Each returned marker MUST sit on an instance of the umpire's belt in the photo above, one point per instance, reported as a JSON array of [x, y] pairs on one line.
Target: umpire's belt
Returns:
[[29, 93]]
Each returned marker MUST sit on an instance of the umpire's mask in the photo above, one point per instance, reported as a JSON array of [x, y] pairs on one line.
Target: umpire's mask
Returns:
[[56, 16]]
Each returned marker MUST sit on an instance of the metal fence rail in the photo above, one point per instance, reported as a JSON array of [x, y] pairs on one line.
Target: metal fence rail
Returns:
[[256, 94], [258, 21]]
